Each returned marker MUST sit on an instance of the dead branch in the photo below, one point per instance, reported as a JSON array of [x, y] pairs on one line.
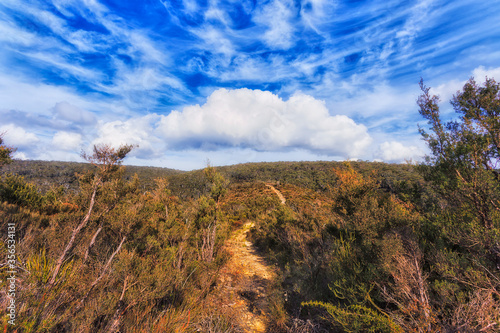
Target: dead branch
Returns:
[[75, 233]]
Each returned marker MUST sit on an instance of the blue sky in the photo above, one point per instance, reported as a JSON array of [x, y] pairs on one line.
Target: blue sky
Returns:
[[234, 81]]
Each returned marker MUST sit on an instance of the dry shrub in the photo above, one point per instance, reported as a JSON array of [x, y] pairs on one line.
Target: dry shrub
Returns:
[[215, 323], [409, 290], [480, 314]]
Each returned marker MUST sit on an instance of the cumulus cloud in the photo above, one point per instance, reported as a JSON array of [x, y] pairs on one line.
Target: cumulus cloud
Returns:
[[262, 121], [481, 73], [67, 141], [135, 131], [18, 137], [20, 156], [393, 151]]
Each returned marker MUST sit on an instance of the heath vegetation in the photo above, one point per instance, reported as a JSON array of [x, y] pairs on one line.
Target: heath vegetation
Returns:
[[356, 247]]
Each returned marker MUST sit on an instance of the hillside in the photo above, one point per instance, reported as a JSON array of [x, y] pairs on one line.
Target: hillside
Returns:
[[291, 247], [46, 174], [191, 184]]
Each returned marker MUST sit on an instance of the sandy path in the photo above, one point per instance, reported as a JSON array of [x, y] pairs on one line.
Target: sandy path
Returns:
[[243, 283], [278, 193]]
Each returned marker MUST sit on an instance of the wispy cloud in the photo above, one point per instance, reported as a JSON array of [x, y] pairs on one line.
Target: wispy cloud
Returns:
[[276, 16]]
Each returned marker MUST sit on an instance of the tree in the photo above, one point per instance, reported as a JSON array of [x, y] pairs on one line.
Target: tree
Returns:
[[464, 168], [5, 152], [466, 152], [217, 191], [107, 161]]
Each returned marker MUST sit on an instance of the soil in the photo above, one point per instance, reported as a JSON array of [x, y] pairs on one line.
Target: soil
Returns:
[[244, 283], [278, 193]]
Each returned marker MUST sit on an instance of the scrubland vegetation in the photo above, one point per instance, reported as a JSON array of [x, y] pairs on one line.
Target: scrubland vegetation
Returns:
[[358, 247]]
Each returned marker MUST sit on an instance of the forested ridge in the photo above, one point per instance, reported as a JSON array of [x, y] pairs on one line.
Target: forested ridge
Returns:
[[354, 247], [191, 184]]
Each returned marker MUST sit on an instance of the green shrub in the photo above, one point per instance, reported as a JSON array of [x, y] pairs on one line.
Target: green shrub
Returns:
[[14, 189], [357, 318]]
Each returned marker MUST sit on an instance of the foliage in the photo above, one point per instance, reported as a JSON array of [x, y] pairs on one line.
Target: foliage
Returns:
[[316, 176], [358, 318], [47, 174], [219, 184], [15, 189], [466, 152], [5, 153], [464, 245], [358, 247], [132, 260]]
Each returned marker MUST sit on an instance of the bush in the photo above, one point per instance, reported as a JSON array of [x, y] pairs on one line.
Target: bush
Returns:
[[14, 189]]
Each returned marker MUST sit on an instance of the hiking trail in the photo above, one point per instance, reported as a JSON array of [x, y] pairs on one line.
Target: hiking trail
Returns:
[[278, 193], [243, 283]]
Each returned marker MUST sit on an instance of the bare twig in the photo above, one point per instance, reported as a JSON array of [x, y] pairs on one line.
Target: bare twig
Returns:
[[75, 233]]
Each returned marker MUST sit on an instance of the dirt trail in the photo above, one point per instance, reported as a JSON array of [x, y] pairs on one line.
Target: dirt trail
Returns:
[[243, 283], [278, 193]]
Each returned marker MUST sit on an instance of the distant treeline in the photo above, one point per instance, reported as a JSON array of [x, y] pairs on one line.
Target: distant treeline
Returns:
[[316, 176]]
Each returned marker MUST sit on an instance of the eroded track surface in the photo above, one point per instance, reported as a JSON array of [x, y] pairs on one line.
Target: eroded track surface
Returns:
[[278, 193], [244, 282]]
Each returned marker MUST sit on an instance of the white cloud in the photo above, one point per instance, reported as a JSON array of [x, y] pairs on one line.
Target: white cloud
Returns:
[[58, 62], [382, 103], [314, 12], [276, 15], [36, 97], [67, 141], [261, 120], [130, 85], [257, 70], [11, 34], [418, 18], [18, 137], [63, 5], [190, 6], [446, 90], [135, 131], [59, 155], [216, 14], [146, 80], [55, 23], [393, 151], [19, 156], [481, 73], [65, 111], [39, 99], [215, 41], [147, 50]]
